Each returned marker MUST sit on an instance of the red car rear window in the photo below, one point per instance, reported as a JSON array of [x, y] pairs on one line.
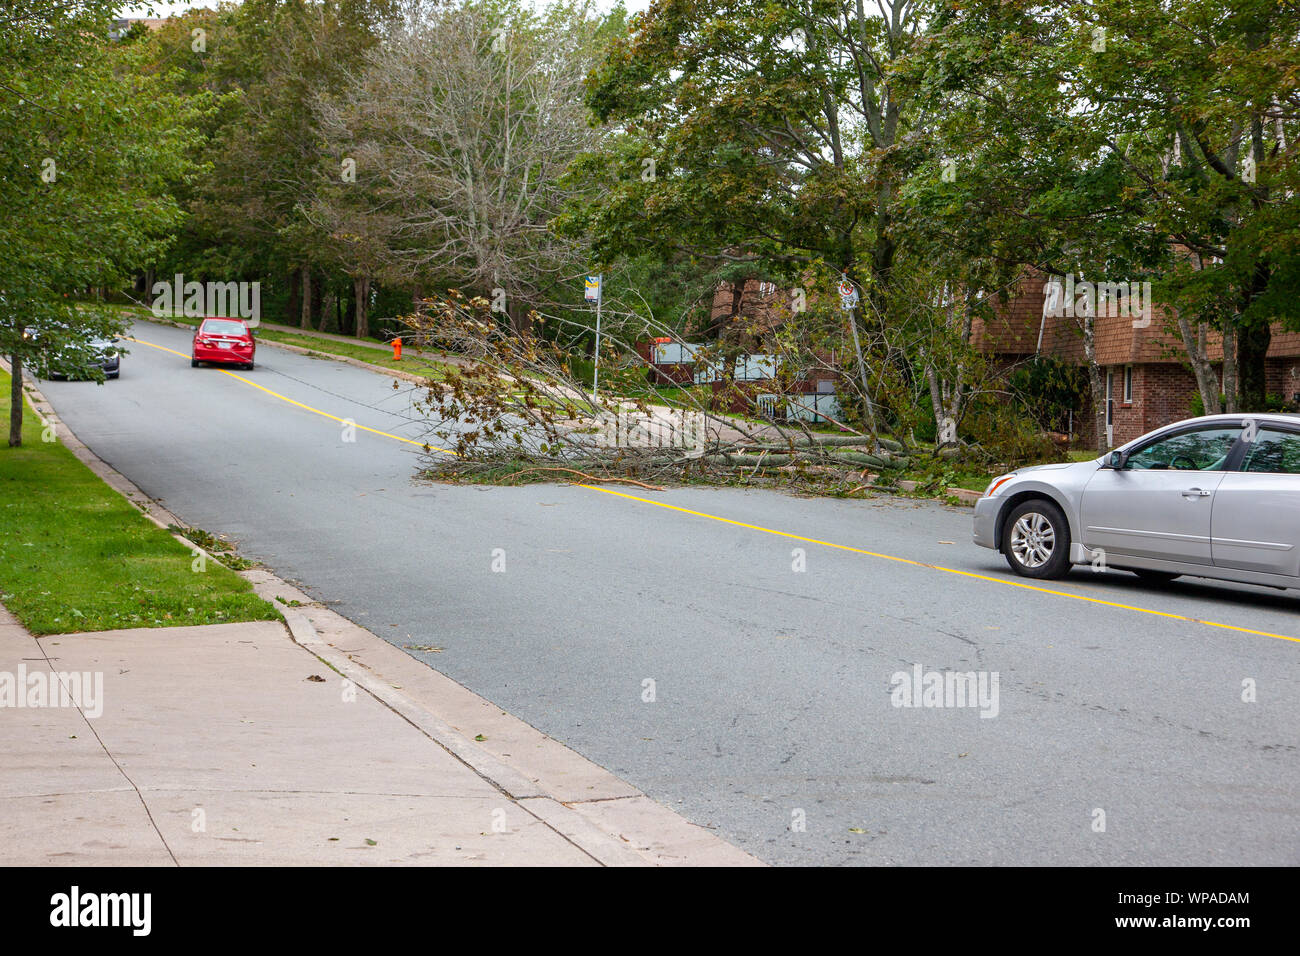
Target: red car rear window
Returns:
[[222, 327]]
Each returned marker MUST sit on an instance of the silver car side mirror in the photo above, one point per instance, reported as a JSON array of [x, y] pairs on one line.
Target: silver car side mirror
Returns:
[[1116, 460]]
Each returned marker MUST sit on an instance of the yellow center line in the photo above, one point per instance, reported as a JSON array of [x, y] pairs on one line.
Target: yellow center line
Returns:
[[938, 567], [285, 398], [786, 534]]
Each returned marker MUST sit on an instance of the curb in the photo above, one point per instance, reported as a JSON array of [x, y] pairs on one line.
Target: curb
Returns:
[[509, 781], [605, 844]]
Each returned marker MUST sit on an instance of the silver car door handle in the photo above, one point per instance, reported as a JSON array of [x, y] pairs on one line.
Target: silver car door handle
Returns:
[[1196, 493]]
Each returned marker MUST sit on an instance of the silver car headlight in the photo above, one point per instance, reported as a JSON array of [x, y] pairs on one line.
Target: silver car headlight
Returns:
[[995, 486]]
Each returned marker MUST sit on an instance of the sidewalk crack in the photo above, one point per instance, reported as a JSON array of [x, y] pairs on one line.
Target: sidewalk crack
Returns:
[[127, 777]]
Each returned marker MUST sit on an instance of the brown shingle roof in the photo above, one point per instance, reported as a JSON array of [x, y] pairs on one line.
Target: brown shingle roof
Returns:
[[1015, 328]]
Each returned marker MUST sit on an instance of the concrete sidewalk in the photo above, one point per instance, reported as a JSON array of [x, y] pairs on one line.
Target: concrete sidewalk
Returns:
[[232, 744]]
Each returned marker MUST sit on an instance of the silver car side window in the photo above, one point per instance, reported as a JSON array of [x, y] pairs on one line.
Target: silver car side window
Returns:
[[1201, 449], [1274, 452]]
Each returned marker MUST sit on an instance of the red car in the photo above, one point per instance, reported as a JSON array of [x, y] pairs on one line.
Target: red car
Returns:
[[223, 341]]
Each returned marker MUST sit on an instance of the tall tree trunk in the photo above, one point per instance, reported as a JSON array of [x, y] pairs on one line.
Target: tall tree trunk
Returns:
[[361, 291], [1254, 336], [1097, 381], [1231, 381], [937, 405], [1206, 381], [294, 308], [319, 305], [520, 321], [310, 299], [16, 398], [1253, 341], [723, 322]]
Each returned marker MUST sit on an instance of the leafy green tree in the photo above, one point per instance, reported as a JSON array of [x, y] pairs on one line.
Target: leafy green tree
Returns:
[[269, 61], [1123, 140], [461, 125], [772, 141], [1198, 103], [89, 153], [754, 131]]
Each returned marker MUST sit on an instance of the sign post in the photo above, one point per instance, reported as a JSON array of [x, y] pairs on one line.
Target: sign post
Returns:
[[592, 292]]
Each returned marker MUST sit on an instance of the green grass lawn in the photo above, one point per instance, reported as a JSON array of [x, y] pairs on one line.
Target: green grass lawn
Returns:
[[416, 365], [74, 556]]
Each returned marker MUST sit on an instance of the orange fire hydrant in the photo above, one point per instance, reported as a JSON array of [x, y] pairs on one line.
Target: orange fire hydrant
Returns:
[[397, 349]]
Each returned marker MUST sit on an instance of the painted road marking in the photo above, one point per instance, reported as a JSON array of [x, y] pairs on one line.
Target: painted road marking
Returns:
[[796, 537], [938, 567]]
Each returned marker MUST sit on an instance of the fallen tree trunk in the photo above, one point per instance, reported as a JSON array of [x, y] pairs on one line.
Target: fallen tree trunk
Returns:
[[816, 440]]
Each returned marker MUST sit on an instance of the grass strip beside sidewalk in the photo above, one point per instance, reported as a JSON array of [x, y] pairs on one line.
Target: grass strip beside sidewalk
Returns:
[[416, 365], [75, 556]]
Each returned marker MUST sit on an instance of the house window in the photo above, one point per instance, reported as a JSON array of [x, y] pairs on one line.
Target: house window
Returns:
[[1128, 384]]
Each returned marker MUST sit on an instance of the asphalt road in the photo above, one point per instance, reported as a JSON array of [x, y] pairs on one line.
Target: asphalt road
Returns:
[[772, 702]]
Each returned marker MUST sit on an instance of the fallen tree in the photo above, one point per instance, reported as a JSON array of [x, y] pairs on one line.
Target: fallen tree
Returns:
[[517, 410]]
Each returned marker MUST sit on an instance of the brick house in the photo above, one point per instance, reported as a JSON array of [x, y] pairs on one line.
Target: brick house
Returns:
[[1149, 381], [743, 318]]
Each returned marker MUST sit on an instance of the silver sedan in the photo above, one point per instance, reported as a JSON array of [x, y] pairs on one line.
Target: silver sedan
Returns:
[[1214, 497]]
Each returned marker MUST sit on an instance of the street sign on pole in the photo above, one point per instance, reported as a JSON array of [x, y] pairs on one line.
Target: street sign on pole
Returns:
[[848, 294], [592, 293]]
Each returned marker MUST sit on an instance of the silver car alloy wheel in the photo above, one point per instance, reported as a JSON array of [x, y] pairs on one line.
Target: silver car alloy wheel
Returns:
[[1033, 539]]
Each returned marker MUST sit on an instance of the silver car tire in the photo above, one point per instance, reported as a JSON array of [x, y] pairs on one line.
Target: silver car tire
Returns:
[[1036, 539]]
